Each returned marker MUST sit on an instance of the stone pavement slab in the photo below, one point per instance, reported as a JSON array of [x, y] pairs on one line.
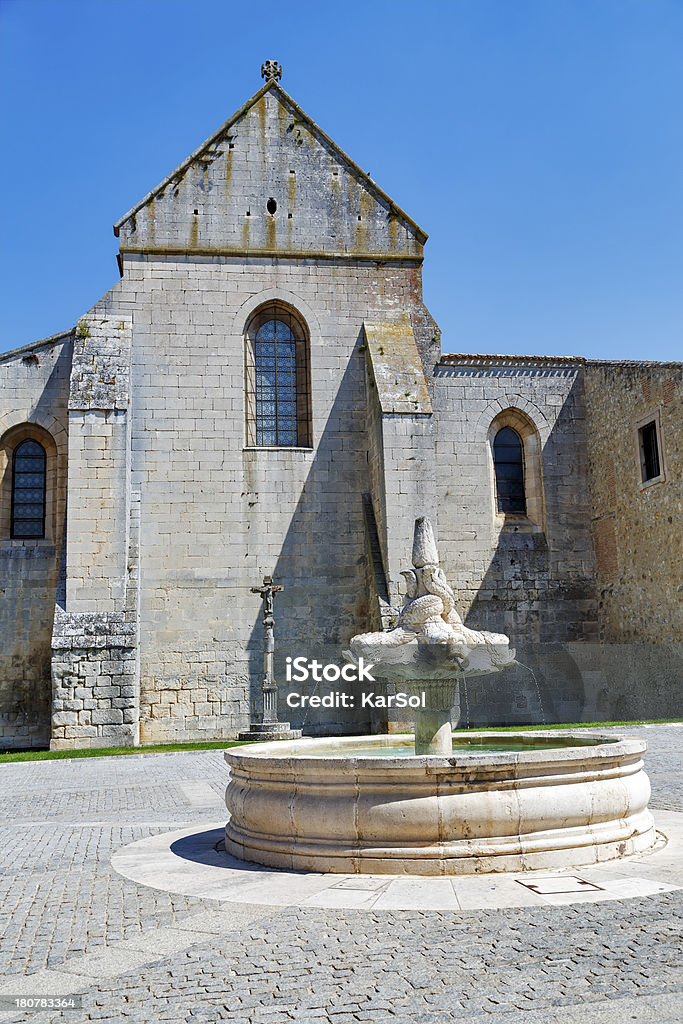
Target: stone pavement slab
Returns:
[[193, 862]]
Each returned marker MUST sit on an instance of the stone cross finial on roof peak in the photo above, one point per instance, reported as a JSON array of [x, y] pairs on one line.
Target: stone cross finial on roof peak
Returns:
[[271, 70]]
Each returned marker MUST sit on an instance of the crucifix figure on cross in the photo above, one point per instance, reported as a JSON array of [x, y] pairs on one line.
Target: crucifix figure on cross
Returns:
[[269, 686], [267, 591], [269, 728]]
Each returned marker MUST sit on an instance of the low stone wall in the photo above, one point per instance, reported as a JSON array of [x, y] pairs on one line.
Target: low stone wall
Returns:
[[96, 696]]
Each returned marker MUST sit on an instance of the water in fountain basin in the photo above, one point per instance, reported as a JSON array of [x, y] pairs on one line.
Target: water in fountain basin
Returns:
[[403, 746]]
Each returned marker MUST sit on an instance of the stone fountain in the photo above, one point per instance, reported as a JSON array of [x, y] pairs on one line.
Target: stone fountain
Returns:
[[428, 805], [431, 649]]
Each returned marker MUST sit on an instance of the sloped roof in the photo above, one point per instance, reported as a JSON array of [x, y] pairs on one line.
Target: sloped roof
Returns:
[[479, 359], [34, 346], [274, 87]]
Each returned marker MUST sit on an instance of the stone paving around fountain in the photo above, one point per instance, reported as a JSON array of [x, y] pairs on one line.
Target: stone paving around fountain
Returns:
[[71, 923]]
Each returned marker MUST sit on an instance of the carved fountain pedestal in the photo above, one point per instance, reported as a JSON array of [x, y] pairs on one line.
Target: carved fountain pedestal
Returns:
[[435, 722]]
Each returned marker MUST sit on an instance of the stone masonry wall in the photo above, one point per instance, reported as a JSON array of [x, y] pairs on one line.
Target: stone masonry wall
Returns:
[[533, 581], [270, 153], [218, 515], [638, 540], [531, 577], [157, 409], [96, 690], [638, 528], [95, 643], [401, 441], [34, 386]]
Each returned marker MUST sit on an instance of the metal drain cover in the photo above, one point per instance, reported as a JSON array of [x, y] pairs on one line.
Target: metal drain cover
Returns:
[[551, 885]]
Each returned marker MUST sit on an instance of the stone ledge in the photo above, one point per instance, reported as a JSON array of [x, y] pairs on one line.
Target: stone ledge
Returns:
[[88, 630]]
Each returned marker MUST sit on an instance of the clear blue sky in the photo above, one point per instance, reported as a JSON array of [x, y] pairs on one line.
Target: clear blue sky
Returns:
[[538, 142]]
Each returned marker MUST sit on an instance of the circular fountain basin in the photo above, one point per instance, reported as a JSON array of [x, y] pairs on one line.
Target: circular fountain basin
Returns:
[[501, 802]]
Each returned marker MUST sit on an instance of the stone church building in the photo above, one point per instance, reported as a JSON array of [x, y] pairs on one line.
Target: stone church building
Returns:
[[264, 392]]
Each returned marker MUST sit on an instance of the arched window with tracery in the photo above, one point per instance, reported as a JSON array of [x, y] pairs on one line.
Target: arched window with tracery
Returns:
[[29, 478], [278, 400], [508, 460]]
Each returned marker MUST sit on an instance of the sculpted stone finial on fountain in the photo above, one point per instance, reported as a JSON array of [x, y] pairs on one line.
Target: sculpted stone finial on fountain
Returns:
[[430, 648], [429, 619]]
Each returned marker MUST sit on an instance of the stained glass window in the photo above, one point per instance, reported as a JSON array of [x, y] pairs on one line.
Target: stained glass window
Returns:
[[508, 459], [277, 381], [28, 490]]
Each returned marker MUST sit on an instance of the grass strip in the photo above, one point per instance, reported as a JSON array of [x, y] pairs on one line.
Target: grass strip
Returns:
[[162, 748], [175, 748]]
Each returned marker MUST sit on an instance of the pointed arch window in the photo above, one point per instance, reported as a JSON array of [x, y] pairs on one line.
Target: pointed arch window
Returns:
[[29, 478], [277, 379], [508, 460]]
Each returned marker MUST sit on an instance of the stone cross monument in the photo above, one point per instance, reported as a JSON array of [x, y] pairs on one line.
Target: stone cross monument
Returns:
[[268, 728]]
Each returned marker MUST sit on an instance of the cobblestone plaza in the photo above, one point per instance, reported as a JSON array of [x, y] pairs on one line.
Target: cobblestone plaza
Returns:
[[71, 924]]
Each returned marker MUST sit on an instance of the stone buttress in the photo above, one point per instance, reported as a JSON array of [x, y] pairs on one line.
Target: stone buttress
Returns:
[[95, 669]]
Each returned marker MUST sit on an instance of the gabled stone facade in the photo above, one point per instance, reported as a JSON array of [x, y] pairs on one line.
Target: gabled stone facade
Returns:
[[161, 516]]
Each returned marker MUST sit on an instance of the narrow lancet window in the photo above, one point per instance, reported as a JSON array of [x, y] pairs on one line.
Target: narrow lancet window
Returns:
[[508, 459], [28, 490]]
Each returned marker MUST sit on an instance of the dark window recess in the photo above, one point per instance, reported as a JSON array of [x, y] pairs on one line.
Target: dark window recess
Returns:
[[649, 452], [28, 490], [278, 398], [508, 460], [271, 206]]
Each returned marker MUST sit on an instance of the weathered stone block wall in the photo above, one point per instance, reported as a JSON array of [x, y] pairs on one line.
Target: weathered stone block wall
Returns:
[[34, 387], [95, 681], [99, 460], [401, 441], [638, 528], [270, 152], [217, 515], [410, 487], [95, 653], [534, 581], [376, 468]]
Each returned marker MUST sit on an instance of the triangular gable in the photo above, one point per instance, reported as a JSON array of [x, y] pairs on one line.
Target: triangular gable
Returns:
[[270, 181]]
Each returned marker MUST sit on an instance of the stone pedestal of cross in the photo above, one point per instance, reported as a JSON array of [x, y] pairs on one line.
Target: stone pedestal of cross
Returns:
[[268, 728]]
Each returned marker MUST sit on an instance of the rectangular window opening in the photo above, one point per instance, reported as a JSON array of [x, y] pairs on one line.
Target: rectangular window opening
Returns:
[[650, 457]]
